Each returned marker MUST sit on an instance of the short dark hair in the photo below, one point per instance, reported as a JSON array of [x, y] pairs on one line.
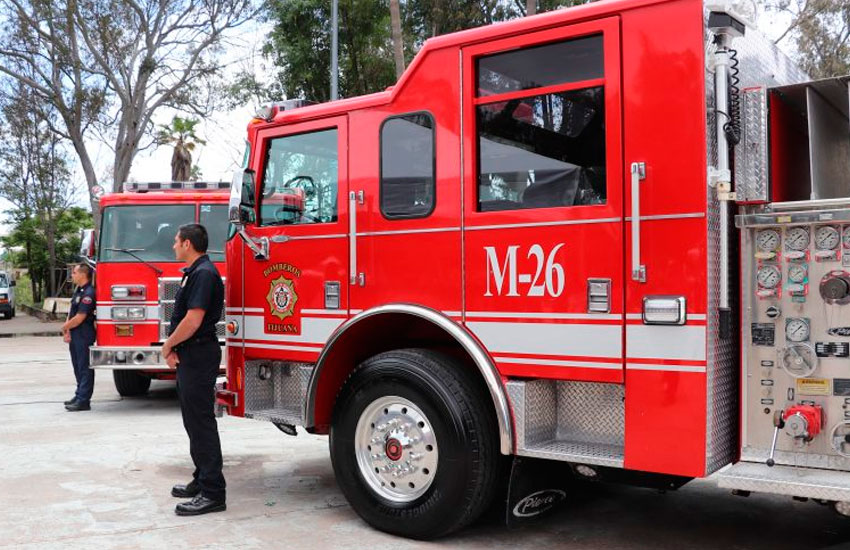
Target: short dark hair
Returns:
[[196, 234], [86, 270]]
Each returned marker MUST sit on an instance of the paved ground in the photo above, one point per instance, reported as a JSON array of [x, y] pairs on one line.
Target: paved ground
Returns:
[[101, 479], [23, 325]]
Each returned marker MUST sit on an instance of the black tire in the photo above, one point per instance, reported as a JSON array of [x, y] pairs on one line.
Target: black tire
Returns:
[[13, 313], [130, 384], [461, 418]]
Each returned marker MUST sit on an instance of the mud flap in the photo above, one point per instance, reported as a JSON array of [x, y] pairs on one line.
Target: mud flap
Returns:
[[535, 487]]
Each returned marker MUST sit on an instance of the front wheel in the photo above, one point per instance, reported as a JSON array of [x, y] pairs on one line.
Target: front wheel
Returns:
[[130, 384], [413, 443]]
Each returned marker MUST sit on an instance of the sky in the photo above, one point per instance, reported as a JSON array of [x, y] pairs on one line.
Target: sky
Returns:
[[224, 132]]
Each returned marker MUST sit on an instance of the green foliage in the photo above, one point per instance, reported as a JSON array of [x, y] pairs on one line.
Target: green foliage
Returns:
[[820, 31], [299, 43], [67, 245], [180, 131], [23, 290]]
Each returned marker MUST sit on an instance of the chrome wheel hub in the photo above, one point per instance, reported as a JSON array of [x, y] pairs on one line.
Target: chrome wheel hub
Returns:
[[396, 449]]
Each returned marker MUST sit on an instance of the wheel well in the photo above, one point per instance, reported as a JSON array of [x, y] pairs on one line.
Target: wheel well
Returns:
[[369, 335]]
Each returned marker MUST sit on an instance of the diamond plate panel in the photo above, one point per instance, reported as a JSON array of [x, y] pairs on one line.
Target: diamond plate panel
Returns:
[[279, 398], [786, 480], [760, 64], [799, 460], [579, 422]]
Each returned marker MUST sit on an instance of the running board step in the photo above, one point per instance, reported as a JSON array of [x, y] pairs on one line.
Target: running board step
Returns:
[[786, 480], [579, 422]]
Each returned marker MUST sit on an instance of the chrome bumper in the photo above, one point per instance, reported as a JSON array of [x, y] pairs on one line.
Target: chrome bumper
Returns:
[[130, 358]]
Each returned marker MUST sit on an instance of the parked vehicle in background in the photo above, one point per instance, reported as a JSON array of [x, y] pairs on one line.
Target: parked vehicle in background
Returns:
[[138, 277], [7, 295]]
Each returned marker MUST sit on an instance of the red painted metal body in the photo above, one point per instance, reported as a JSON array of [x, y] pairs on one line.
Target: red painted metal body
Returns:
[[142, 334], [654, 90]]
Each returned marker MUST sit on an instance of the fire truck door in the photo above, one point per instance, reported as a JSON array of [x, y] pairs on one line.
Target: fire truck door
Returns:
[[296, 297], [543, 214]]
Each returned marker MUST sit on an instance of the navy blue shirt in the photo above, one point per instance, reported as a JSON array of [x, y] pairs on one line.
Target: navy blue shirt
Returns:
[[83, 301], [200, 288]]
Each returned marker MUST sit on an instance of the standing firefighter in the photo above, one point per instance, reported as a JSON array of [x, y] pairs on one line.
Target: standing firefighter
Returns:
[[79, 332], [193, 349]]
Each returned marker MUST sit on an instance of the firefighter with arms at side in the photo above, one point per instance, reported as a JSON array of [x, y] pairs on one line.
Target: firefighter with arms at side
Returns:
[[78, 331], [193, 349]]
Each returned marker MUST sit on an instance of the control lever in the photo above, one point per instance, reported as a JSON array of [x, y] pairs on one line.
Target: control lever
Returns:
[[778, 424]]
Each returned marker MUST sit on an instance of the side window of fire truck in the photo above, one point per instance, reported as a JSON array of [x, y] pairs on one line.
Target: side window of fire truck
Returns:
[[407, 166], [300, 179], [535, 149], [214, 218]]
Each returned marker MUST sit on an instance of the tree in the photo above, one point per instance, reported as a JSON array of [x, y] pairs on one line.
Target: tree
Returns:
[[398, 42], [180, 133], [34, 176], [105, 67], [820, 32], [44, 274]]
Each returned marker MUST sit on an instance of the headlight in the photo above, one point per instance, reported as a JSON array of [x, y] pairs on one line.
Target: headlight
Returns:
[[128, 292], [128, 313]]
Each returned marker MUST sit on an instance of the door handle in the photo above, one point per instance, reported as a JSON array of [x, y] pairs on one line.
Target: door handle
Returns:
[[354, 198], [638, 171]]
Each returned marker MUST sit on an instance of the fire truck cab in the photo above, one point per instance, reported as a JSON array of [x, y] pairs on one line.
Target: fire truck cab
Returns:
[[527, 247], [138, 277]]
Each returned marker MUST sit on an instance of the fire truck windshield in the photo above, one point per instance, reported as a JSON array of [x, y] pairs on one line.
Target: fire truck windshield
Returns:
[[214, 218], [148, 230]]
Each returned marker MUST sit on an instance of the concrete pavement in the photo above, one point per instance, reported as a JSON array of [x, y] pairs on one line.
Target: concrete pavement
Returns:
[[101, 479]]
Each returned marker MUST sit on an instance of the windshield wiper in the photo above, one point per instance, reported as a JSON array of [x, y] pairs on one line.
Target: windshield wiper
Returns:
[[131, 252]]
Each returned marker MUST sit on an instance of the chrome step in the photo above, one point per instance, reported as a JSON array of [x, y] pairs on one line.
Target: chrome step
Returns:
[[785, 480]]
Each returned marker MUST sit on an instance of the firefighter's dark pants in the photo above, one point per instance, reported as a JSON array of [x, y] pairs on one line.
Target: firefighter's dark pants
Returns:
[[79, 348], [196, 374]]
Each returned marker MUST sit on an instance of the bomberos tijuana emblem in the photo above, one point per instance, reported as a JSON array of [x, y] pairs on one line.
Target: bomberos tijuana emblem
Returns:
[[282, 297]]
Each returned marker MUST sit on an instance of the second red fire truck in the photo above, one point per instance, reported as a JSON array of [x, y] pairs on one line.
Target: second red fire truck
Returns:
[[138, 277], [614, 237]]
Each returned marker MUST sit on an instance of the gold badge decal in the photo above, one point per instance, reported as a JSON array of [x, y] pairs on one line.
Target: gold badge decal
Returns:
[[282, 297]]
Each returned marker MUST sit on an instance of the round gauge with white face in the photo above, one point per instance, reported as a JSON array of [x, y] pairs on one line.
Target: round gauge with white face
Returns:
[[797, 330], [827, 238], [767, 240], [768, 276], [797, 273], [797, 238]]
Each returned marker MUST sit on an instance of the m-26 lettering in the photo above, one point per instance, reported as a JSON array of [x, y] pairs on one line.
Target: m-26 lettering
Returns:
[[549, 276]]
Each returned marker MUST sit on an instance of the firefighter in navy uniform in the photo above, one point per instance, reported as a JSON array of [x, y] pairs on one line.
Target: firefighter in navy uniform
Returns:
[[192, 348], [78, 331]]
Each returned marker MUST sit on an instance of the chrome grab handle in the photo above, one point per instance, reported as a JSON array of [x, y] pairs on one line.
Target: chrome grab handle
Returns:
[[638, 170], [352, 237]]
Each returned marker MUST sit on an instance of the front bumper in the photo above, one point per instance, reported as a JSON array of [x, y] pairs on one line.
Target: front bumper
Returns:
[[130, 358]]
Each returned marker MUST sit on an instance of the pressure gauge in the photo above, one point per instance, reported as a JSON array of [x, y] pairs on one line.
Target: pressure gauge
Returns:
[[797, 238], [768, 276], [797, 273], [767, 240], [797, 329], [798, 360], [827, 238]]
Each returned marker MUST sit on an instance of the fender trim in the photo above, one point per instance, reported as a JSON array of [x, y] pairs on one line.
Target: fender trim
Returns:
[[479, 356]]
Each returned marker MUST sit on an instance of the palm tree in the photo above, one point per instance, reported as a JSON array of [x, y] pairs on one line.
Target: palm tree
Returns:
[[180, 133]]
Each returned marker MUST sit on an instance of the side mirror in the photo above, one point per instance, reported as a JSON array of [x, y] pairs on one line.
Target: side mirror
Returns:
[[241, 207], [13, 283], [87, 249]]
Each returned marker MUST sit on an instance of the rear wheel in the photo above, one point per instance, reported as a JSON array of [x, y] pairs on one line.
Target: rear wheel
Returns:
[[413, 443], [130, 384]]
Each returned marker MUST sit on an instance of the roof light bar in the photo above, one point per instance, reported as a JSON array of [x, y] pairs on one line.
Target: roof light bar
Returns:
[[144, 187]]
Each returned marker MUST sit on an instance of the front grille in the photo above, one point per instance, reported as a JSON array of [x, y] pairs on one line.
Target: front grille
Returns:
[[168, 288]]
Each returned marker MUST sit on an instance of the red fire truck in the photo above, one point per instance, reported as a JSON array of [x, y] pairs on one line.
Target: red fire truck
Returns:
[[138, 277], [528, 248]]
